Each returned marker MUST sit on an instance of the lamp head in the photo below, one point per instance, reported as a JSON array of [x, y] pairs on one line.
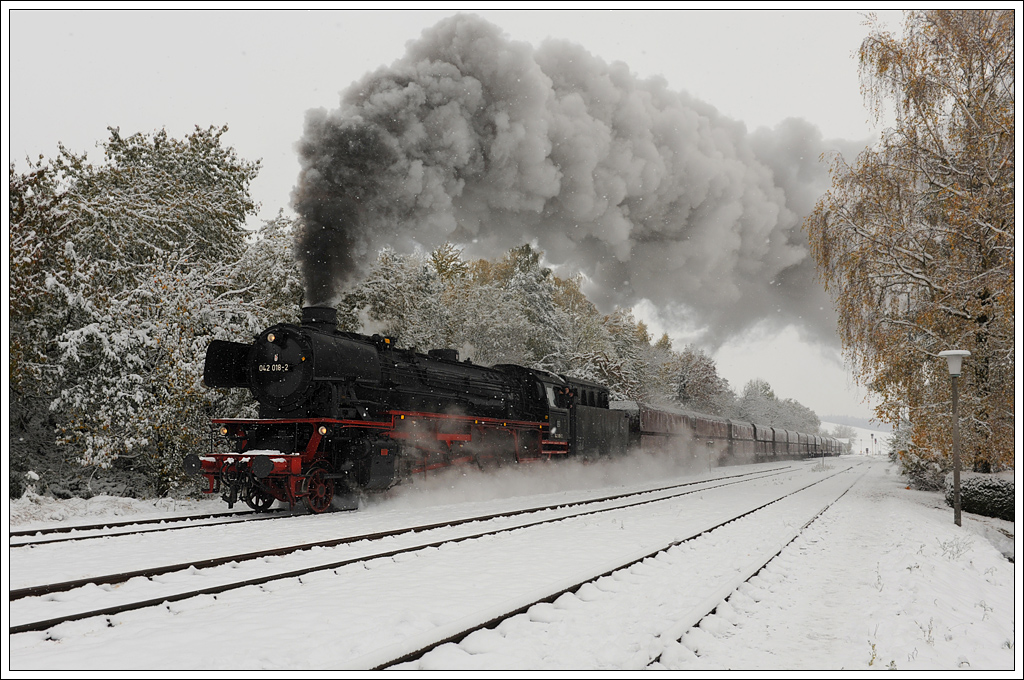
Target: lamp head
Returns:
[[954, 357]]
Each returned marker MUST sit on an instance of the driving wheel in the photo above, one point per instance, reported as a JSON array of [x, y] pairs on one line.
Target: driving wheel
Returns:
[[319, 490]]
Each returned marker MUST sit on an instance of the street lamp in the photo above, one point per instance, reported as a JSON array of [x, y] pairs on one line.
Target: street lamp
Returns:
[[955, 357]]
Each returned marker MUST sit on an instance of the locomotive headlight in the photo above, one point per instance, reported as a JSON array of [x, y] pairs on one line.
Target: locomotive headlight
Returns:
[[322, 430], [271, 337], [224, 430]]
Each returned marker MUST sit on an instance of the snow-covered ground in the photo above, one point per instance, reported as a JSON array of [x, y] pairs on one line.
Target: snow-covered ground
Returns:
[[883, 579]]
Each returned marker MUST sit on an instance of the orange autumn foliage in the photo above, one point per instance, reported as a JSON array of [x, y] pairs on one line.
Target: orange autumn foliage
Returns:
[[915, 240]]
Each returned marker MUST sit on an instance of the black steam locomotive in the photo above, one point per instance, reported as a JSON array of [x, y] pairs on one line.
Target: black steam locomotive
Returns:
[[344, 412]]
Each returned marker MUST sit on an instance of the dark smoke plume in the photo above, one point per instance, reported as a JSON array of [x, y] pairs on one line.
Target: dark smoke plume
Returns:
[[343, 163], [478, 140]]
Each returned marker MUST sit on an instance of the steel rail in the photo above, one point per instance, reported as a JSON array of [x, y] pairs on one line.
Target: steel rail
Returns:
[[214, 590], [121, 577], [377, 661]]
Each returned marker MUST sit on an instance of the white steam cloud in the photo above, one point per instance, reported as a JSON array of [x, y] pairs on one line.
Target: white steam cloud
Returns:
[[468, 484], [479, 140]]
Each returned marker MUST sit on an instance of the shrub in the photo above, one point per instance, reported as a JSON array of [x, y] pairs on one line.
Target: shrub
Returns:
[[990, 495]]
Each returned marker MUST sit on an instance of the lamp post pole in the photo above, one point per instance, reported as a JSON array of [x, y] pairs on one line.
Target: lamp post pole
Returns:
[[956, 457], [954, 358]]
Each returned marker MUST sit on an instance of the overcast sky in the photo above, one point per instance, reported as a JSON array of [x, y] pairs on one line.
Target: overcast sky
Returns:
[[73, 73]]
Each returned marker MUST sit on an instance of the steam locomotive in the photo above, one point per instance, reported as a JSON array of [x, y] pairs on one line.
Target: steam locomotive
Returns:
[[347, 413]]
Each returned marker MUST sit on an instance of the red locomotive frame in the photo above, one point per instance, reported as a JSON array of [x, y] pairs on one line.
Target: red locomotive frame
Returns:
[[423, 442]]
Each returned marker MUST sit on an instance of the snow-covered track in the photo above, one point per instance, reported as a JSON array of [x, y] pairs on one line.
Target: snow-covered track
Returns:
[[572, 510], [54, 534], [358, 575], [150, 572], [406, 654], [714, 599], [48, 535], [109, 525]]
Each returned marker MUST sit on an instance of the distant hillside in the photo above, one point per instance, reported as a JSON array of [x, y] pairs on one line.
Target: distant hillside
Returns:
[[853, 421]]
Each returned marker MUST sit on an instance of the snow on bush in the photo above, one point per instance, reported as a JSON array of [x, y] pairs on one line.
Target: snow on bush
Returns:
[[33, 508], [990, 495]]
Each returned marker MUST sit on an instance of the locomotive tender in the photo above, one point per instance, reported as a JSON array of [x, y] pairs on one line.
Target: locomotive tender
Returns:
[[344, 412]]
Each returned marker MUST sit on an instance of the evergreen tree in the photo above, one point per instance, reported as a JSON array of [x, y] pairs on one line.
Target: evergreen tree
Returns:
[[109, 261]]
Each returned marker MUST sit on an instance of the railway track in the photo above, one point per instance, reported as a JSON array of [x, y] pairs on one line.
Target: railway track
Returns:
[[713, 600], [350, 574], [563, 511], [30, 537], [50, 535], [404, 656], [49, 531], [120, 577]]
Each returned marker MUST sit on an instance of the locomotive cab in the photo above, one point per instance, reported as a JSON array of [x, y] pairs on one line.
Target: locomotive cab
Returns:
[[545, 398], [557, 398]]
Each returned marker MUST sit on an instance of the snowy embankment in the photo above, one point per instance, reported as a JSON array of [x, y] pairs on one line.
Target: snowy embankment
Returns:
[[883, 579]]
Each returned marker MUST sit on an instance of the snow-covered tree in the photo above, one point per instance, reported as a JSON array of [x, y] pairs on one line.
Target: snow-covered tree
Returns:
[[109, 261], [492, 312], [585, 344], [447, 262], [793, 415], [137, 396], [401, 296], [758, 404], [696, 385], [627, 373], [915, 241], [266, 272], [529, 290]]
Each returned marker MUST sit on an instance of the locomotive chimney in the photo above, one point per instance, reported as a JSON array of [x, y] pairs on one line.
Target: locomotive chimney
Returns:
[[324, 319]]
